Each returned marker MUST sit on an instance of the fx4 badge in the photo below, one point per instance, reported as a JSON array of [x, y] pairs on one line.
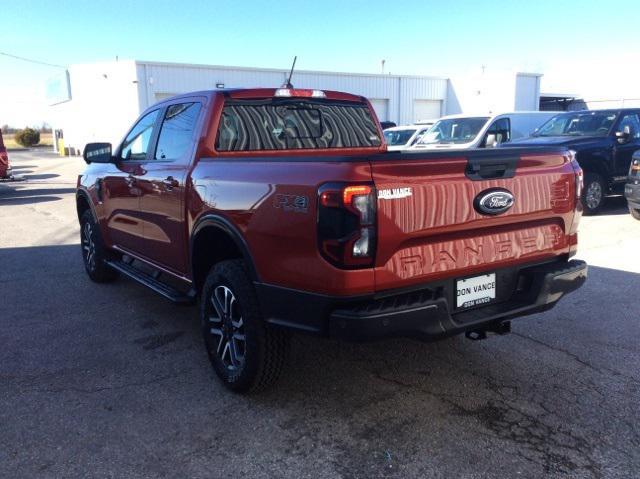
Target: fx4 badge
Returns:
[[295, 203], [395, 193]]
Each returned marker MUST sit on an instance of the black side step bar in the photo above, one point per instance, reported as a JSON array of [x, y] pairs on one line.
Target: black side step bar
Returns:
[[153, 283]]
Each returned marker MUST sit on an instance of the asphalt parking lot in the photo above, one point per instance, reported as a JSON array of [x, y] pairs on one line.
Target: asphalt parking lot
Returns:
[[113, 381]]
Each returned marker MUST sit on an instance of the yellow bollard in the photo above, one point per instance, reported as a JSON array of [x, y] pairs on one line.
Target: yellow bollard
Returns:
[[61, 147]]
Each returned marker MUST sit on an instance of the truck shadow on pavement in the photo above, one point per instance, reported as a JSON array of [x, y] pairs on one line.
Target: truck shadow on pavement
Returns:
[[557, 396], [22, 169], [23, 193], [39, 176], [615, 205]]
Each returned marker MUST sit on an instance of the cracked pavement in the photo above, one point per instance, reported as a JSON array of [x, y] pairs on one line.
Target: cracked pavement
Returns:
[[113, 381]]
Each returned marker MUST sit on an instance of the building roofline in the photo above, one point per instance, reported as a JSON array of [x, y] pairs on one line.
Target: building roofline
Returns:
[[560, 95], [529, 74], [286, 70]]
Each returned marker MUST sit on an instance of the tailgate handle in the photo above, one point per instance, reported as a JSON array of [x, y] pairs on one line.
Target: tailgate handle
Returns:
[[480, 169]]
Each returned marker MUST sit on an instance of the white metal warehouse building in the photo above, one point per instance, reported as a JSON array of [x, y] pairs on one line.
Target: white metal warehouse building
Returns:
[[99, 101]]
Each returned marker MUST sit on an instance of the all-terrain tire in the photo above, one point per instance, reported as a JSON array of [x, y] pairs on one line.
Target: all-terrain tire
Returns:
[[246, 353], [634, 212], [94, 254]]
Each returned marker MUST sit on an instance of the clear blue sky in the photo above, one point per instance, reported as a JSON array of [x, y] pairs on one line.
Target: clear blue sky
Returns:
[[414, 37]]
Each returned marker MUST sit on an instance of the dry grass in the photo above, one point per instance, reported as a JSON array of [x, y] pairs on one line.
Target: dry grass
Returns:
[[46, 139]]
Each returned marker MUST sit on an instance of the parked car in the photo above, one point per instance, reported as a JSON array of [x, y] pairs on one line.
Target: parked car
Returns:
[[5, 167], [632, 189], [401, 137], [481, 131], [604, 141], [281, 211]]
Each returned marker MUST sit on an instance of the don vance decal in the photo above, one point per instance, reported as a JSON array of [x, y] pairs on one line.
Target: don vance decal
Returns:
[[394, 193]]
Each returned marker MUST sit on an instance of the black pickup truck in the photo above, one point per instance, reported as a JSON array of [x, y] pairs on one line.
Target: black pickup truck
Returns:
[[604, 142]]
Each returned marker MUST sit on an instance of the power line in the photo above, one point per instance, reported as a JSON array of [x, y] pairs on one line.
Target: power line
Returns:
[[32, 61]]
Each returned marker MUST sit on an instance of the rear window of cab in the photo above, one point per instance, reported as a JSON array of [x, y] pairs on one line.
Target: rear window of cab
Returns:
[[294, 124]]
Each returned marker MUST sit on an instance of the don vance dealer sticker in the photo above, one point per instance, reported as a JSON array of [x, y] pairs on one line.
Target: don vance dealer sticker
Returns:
[[476, 290]]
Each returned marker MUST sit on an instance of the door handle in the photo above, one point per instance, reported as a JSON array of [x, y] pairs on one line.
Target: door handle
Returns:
[[170, 182]]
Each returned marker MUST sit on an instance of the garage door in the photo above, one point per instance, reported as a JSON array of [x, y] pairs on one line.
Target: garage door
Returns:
[[427, 110], [381, 107]]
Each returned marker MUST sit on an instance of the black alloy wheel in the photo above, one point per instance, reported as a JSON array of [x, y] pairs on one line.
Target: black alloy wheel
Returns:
[[247, 354]]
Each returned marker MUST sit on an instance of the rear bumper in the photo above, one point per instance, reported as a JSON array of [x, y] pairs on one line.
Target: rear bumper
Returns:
[[632, 193], [425, 313]]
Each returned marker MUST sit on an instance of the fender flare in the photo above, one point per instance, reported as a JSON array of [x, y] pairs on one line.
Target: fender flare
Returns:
[[81, 193], [226, 226]]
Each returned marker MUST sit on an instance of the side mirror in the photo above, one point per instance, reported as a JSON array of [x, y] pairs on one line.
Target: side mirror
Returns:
[[490, 141], [98, 153], [624, 135]]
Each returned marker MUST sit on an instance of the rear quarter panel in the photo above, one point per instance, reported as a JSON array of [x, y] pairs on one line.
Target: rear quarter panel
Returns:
[[263, 198]]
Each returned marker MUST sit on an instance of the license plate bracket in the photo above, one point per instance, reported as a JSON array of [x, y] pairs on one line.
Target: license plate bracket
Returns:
[[475, 291]]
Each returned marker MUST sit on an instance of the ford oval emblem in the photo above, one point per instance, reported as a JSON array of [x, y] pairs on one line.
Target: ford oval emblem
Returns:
[[493, 201]]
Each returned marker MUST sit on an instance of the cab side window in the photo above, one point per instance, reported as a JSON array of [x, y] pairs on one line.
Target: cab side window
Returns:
[[499, 132], [135, 145], [177, 130], [632, 121]]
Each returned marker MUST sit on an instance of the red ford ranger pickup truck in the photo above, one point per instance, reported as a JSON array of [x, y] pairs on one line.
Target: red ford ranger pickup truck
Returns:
[[280, 210]]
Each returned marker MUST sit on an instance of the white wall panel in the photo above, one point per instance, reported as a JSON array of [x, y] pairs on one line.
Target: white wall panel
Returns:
[[399, 91], [104, 102], [527, 92], [492, 92], [107, 97], [427, 109], [381, 107]]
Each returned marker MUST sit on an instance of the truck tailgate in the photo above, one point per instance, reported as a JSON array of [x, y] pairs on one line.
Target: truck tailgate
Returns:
[[430, 226]]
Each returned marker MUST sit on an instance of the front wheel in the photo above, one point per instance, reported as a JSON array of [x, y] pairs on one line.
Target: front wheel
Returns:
[[593, 193], [246, 354], [635, 212], [94, 254]]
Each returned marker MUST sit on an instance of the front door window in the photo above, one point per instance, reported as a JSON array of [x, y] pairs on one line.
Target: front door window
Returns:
[[135, 145]]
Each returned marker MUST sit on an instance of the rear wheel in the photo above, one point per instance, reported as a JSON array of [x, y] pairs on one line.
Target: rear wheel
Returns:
[[635, 212], [246, 354], [94, 254], [593, 193]]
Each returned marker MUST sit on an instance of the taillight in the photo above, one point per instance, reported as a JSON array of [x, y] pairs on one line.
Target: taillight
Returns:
[[4, 158], [635, 167], [579, 174], [347, 224]]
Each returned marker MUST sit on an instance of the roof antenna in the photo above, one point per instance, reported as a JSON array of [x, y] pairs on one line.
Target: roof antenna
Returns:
[[288, 82]]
